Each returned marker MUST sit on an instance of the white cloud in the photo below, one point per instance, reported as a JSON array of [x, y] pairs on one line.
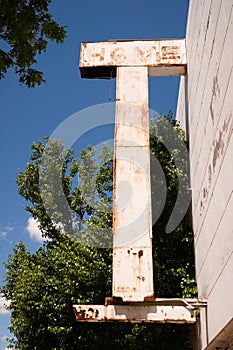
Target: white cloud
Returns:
[[4, 231], [3, 234], [3, 304], [4, 337], [34, 231]]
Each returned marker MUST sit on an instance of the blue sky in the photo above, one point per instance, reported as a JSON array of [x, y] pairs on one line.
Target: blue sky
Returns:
[[29, 114]]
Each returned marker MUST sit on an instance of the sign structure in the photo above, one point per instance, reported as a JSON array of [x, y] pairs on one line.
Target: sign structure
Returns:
[[131, 62]]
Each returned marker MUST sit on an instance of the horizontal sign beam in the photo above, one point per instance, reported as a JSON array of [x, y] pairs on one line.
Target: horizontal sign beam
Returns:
[[162, 57], [135, 312]]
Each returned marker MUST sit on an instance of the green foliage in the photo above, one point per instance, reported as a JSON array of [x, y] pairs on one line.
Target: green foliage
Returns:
[[25, 28], [42, 286], [48, 185], [174, 270]]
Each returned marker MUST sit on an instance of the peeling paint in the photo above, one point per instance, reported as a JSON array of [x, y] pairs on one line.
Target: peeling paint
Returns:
[[171, 53], [157, 54], [219, 144], [128, 312], [205, 192], [132, 244], [209, 173], [135, 60], [215, 95]]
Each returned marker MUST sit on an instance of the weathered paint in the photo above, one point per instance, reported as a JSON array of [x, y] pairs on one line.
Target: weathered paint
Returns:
[[162, 57], [132, 237], [132, 62], [136, 312], [209, 90]]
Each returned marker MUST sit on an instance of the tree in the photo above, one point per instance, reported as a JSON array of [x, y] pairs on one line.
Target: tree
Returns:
[[73, 267], [174, 267], [25, 28]]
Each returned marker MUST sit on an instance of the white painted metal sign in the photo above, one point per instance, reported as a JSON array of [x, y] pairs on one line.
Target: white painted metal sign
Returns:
[[162, 57], [132, 62]]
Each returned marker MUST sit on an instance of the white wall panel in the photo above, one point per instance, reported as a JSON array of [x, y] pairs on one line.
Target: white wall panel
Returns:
[[209, 43]]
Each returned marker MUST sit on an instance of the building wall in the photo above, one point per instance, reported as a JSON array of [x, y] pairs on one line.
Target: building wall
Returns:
[[205, 107]]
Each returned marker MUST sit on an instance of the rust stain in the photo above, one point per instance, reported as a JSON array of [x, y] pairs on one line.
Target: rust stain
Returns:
[[131, 53], [118, 55], [137, 171], [130, 312], [171, 53], [130, 285], [149, 298], [91, 312], [79, 314], [83, 314], [140, 53], [114, 301], [100, 54], [158, 57], [140, 253]]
